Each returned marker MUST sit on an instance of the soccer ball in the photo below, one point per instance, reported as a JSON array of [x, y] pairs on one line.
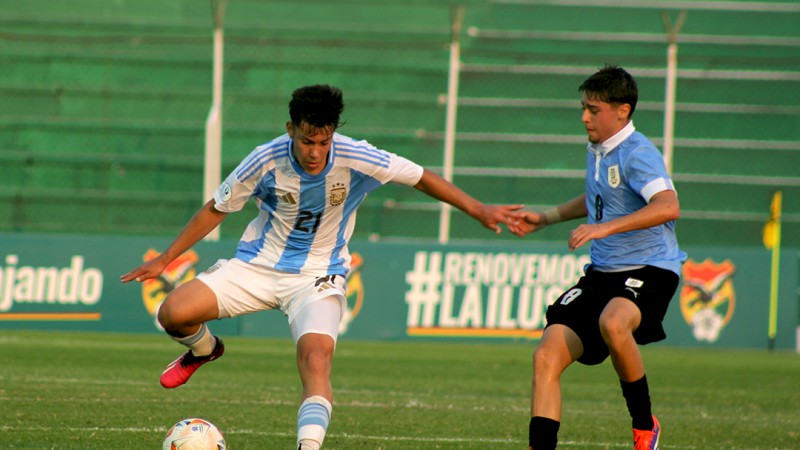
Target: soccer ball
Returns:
[[194, 434]]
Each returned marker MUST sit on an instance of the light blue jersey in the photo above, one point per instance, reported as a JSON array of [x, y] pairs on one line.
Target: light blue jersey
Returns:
[[622, 175], [305, 221]]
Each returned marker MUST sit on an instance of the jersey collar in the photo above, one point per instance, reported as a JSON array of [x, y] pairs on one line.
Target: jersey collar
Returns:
[[611, 143]]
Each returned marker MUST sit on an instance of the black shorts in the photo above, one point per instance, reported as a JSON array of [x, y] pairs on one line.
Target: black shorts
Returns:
[[579, 308]]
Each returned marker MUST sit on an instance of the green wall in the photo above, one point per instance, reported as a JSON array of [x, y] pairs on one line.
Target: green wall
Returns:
[[103, 104]]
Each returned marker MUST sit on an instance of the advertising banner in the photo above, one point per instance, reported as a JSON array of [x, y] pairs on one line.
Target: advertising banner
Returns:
[[395, 290], [456, 291], [72, 282]]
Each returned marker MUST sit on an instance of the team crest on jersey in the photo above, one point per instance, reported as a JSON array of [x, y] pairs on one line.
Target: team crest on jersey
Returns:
[[338, 194], [613, 176], [708, 298], [355, 292], [179, 271]]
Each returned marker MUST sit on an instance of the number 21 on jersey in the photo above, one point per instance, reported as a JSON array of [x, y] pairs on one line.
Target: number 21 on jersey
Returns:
[[302, 222]]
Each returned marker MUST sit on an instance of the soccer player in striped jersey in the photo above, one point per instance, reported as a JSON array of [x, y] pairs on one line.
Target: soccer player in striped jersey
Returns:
[[307, 185], [620, 303]]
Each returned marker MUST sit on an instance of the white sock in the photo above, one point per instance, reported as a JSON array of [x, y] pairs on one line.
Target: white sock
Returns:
[[312, 422], [201, 343]]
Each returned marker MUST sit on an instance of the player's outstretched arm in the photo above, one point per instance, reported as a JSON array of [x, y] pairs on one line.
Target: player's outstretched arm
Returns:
[[536, 220], [488, 215], [204, 220]]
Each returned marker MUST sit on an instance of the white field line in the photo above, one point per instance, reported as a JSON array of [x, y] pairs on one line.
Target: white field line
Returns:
[[514, 405], [348, 436], [333, 435], [400, 404]]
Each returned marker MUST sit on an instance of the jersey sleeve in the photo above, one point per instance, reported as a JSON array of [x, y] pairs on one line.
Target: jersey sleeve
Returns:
[[238, 187], [646, 172], [232, 195], [380, 165], [405, 171], [243, 182]]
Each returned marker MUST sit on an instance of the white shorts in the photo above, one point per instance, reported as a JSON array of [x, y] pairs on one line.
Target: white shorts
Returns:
[[243, 288]]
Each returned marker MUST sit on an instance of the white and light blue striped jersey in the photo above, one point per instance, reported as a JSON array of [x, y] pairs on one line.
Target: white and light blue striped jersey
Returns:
[[305, 221], [622, 175]]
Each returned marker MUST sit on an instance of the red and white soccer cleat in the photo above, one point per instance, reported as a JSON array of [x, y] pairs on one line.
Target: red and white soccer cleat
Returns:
[[180, 370]]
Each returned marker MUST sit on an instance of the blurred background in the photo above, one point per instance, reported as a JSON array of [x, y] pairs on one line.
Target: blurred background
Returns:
[[103, 104]]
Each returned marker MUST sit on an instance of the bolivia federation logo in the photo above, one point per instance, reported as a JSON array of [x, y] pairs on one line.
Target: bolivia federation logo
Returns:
[[707, 297], [179, 271], [355, 292]]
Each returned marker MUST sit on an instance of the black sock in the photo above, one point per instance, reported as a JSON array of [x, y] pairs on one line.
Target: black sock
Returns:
[[637, 396], [543, 433]]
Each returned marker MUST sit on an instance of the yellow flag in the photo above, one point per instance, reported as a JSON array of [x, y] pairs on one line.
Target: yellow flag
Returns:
[[772, 228], [769, 235]]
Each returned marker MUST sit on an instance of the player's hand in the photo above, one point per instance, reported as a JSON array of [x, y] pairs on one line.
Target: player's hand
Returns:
[[491, 216], [150, 269], [586, 233], [531, 221]]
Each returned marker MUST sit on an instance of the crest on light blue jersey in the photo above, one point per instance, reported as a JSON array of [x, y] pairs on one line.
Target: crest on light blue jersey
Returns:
[[613, 176]]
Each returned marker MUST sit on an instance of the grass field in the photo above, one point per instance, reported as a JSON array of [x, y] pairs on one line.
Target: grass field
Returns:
[[98, 391]]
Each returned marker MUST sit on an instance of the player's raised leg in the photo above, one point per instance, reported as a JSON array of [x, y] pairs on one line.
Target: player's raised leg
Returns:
[[183, 316]]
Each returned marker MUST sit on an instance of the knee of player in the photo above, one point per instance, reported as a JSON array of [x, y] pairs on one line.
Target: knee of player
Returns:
[[167, 316], [317, 361], [544, 361], [614, 327]]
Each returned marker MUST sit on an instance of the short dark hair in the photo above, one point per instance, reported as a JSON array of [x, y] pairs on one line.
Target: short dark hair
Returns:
[[319, 105], [612, 84]]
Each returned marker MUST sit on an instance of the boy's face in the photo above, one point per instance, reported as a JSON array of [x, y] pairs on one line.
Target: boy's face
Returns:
[[311, 145], [603, 120]]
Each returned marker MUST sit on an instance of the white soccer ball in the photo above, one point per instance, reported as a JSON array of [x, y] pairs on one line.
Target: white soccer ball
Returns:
[[194, 434]]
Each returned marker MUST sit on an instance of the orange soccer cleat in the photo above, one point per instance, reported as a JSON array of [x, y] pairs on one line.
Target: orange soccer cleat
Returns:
[[647, 439]]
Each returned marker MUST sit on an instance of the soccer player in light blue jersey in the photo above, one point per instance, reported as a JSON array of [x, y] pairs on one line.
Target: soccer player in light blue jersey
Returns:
[[620, 303], [307, 185]]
